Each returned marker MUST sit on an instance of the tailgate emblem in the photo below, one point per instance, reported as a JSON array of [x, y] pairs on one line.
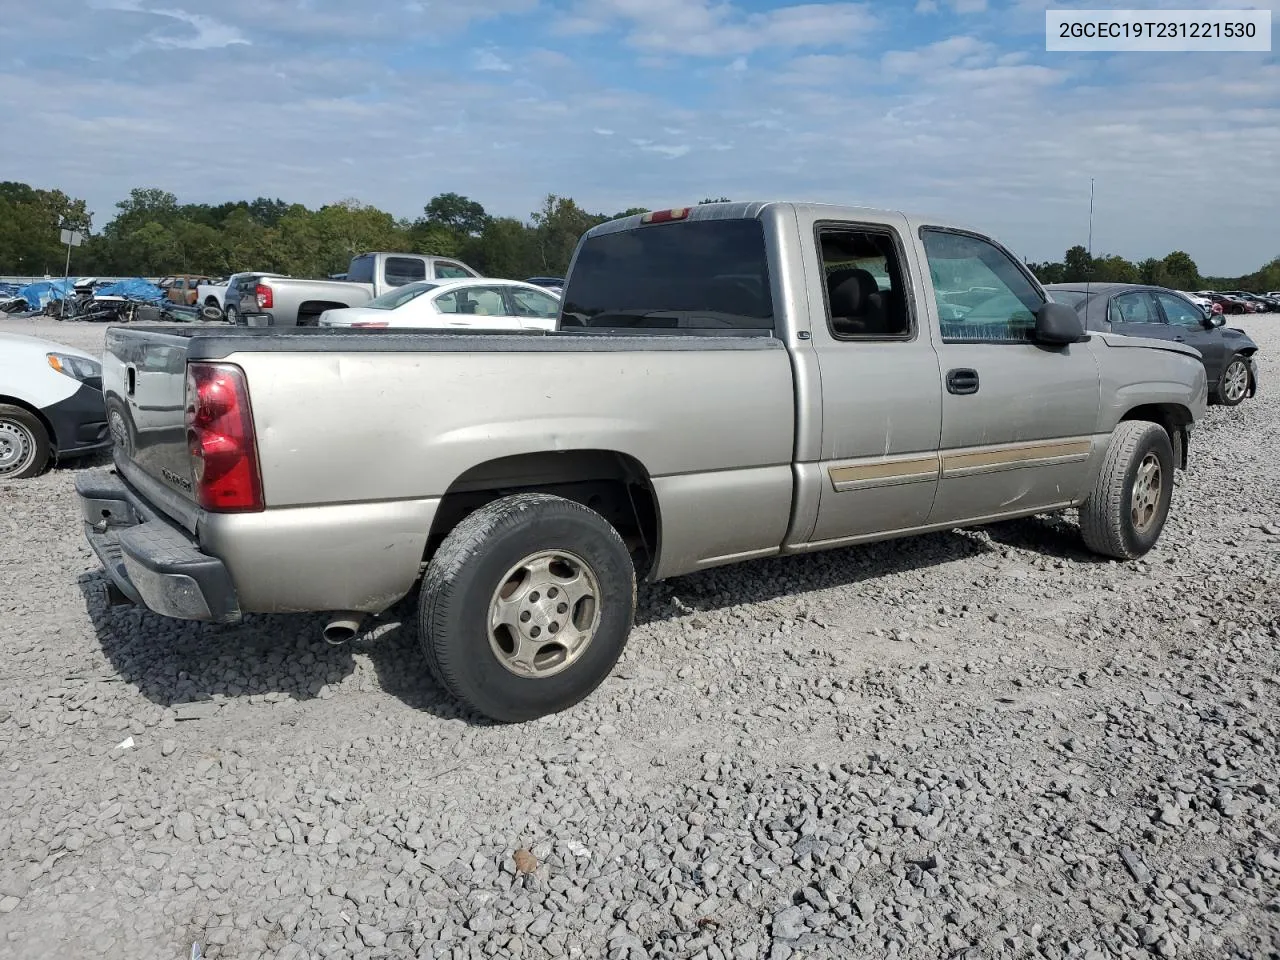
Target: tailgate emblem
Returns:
[[176, 480]]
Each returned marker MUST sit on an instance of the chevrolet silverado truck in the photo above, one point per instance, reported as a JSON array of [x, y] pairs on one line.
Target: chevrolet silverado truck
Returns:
[[726, 382], [274, 301]]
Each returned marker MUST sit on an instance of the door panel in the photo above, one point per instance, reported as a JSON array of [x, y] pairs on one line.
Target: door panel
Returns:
[[1187, 322], [1017, 418], [880, 382]]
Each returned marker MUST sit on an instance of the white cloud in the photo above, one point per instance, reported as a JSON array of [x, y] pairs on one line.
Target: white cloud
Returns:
[[701, 28], [210, 34], [601, 131], [489, 60]]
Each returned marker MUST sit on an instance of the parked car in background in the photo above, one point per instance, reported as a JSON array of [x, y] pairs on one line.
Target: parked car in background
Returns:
[[1204, 303], [182, 288], [551, 283], [476, 303], [292, 301], [1259, 303], [728, 381], [214, 294], [1229, 305], [51, 405], [1138, 310]]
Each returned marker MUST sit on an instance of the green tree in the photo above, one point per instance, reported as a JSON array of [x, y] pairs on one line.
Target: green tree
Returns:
[[1077, 265], [1181, 271], [1048, 272], [558, 226], [30, 221], [1152, 271], [506, 248], [1114, 269], [461, 215]]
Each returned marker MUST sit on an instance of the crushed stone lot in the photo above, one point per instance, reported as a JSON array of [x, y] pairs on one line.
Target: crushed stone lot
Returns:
[[975, 744]]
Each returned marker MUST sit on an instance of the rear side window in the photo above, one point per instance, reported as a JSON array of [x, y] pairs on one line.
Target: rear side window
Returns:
[[692, 274], [450, 271], [361, 270], [402, 270], [864, 284]]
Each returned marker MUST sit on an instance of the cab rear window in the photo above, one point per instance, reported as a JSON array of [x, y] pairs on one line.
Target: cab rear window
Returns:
[[693, 274]]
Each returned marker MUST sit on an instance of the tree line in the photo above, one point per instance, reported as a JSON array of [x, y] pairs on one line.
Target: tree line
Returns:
[[152, 234], [1176, 270]]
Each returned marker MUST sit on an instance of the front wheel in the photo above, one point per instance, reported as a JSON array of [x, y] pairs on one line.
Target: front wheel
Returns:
[[1129, 504], [526, 606], [1233, 386], [24, 443]]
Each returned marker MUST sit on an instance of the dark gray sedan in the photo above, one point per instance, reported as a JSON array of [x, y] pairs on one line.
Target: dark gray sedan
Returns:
[[1137, 310]]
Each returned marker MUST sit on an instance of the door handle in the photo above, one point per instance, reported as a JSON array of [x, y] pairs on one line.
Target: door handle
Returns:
[[962, 381], [1180, 339]]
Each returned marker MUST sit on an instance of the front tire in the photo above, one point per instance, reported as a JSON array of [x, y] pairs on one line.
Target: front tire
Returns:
[[24, 443], [526, 606], [1127, 509], [1233, 385]]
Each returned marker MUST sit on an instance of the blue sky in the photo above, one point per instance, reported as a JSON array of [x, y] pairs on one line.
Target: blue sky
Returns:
[[944, 106]]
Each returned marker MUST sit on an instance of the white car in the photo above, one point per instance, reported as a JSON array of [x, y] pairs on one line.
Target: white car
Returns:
[[482, 303], [52, 407]]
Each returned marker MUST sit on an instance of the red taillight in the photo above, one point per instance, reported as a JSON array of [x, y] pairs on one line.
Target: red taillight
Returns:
[[263, 293], [665, 216], [220, 439]]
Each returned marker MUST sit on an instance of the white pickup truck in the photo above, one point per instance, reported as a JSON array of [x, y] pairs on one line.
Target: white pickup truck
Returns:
[[728, 381]]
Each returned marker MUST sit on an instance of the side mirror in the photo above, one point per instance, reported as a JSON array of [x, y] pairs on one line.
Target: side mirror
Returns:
[[1057, 323], [1216, 320]]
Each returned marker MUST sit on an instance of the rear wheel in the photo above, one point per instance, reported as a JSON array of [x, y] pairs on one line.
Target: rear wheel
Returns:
[[1127, 509], [24, 443], [526, 606], [1233, 386], [232, 314]]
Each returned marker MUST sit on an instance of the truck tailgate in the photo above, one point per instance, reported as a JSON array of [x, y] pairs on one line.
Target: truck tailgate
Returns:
[[144, 384]]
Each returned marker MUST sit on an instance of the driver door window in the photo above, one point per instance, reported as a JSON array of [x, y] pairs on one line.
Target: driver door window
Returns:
[[982, 294], [1179, 312]]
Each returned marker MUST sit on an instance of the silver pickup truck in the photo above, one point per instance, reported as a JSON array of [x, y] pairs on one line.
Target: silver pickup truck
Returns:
[[729, 381]]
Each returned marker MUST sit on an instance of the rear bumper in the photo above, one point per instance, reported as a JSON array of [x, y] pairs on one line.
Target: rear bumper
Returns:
[[150, 561]]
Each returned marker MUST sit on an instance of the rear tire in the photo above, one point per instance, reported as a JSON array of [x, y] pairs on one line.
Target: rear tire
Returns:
[[1127, 509], [24, 443], [232, 315], [526, 606]]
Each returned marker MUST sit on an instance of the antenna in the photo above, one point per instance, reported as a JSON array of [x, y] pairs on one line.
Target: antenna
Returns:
[[1088, 276]]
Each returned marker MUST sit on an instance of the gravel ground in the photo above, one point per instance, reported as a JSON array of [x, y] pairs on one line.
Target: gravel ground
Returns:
[[971, 744]]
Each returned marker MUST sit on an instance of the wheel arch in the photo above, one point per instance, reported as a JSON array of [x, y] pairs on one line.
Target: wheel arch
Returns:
[[614, 484], [1176, 420], [37, 413], [313, 308]]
